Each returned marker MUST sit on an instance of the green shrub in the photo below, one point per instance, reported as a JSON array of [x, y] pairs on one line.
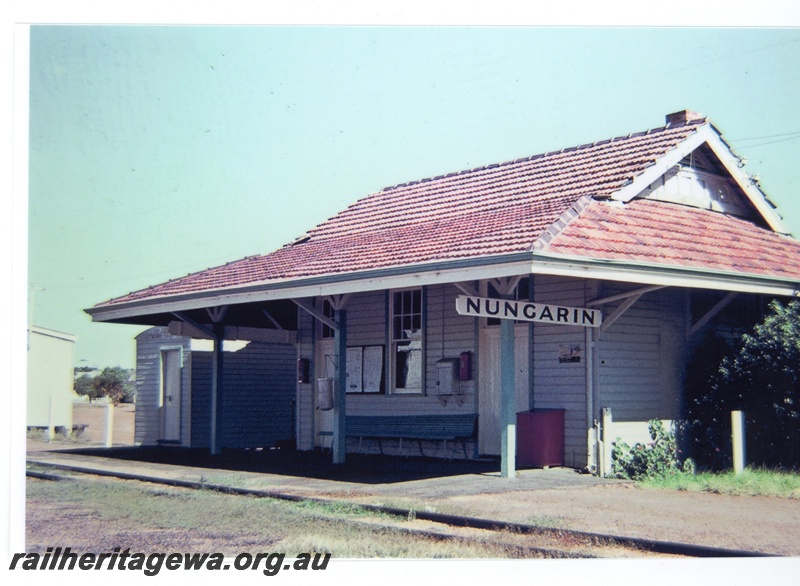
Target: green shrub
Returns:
[[659, 459], [759, 375]]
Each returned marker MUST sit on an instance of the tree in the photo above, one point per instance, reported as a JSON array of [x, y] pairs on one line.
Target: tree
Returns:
[[112, 382], [84, 385], [762, 378]]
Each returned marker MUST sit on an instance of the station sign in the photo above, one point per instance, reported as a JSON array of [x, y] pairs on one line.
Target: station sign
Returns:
[[528, 311]]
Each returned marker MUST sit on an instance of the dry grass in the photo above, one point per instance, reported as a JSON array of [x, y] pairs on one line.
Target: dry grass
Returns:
[[108, 513], [751, 482]]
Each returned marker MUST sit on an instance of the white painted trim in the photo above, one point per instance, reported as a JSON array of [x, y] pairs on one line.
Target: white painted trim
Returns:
[[506, 286], [53, 334], [276, 290], [754, 194], [662, 165], [704, 135], [654, 274], [541, 263]]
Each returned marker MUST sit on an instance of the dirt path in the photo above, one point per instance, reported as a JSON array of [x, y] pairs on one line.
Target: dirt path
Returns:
[[763, 524]]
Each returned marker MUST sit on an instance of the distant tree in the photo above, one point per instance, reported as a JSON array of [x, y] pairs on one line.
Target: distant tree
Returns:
[[84, 385], [112, 382], [84, 369]]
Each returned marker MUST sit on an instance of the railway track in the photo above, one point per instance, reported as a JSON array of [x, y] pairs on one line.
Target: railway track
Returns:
[[523, 539]]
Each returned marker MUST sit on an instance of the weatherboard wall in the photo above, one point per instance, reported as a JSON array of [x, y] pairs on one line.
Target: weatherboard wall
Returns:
[[446, 335], [640, 357], [148, 420], [258, 396], [556, 384]]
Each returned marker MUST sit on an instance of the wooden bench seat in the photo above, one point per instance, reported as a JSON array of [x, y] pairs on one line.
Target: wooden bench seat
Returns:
[[419, 428]]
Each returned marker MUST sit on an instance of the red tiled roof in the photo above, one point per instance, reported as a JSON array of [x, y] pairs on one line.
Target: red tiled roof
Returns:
[[487, 211], [669, 234]]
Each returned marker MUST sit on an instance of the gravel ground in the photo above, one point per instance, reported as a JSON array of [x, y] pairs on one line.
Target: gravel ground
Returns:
[[553, 497]]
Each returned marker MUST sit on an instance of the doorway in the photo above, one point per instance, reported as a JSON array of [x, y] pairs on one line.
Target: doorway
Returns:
[[171, 395]]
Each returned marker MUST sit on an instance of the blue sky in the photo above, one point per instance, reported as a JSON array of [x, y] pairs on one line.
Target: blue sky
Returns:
[[159, 151]]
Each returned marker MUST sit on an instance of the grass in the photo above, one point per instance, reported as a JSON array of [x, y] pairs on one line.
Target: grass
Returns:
[[234, 524], [751, 482]]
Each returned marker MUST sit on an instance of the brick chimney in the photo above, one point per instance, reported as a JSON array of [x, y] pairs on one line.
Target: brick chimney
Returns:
[[682, 117]]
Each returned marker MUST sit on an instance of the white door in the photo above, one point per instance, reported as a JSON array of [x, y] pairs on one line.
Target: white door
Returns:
[[325, 367], [171, 394], [489, 385]]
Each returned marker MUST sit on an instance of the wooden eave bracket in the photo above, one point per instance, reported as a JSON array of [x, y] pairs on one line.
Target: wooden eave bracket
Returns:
[[217, 313], [315, 313], [467, 289], [202, 327], [506, 285], [274, 321], [630, 298], [711, 314], [637, 292]]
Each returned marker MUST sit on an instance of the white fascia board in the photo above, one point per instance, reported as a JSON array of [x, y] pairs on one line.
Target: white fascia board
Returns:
[[754, 194], [662, 165], [540, 263], [653, 274], [395, 278], [704, 135], [53, 334]]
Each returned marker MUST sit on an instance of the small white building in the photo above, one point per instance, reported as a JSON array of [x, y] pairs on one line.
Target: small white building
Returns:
[[50, 379]]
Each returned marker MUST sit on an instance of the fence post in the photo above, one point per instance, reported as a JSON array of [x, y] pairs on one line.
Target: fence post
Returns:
[[738, 439], [608, 441], [51, 426], [109, 423]]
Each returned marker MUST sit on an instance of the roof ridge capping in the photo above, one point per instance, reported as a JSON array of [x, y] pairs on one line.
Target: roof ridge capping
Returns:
[[561, 222], [673, 120]]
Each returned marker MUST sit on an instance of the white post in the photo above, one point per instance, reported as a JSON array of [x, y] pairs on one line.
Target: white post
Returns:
[[508, 420], [109, 423], [737, 436], [608, 440], [51, 431]]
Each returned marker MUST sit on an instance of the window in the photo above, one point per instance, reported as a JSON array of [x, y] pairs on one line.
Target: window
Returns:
[[327, 311], [406, 338]]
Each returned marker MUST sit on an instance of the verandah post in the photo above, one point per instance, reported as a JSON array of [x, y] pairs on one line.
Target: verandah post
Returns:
[[340, 387], [216, 390], [508, 424]]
